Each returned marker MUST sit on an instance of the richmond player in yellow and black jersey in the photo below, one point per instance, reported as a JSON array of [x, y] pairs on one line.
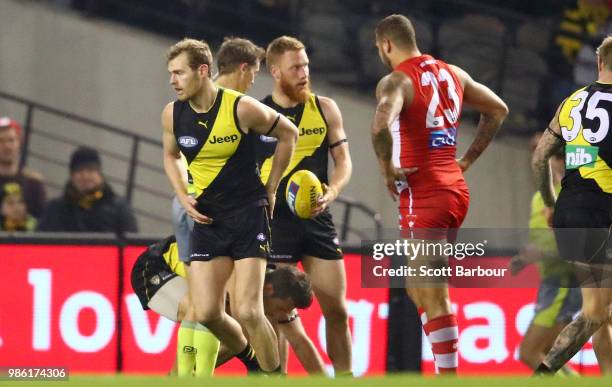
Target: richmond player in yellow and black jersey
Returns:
[[313, 241], [582, 215], [210, 126]]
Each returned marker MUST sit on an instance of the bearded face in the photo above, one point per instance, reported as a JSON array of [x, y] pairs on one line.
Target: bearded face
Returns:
[[294, 75], [298, 91]]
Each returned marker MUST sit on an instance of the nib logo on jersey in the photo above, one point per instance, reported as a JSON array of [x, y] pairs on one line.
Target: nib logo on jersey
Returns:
[[577, 156], [443, 137]]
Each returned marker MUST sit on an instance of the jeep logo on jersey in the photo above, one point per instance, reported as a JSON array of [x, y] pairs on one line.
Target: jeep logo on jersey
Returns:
[[443, 137], [308, 132], [221, 140], [577, 156], [188, 141]]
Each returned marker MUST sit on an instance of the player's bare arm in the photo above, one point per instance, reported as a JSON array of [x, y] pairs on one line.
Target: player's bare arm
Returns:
[[493, 112], [303, 347], [339, 151], [549, 143], [174, 168], [393, 92], [264, 120]]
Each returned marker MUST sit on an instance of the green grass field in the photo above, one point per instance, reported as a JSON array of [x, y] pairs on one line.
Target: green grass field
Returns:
[[387, 381]]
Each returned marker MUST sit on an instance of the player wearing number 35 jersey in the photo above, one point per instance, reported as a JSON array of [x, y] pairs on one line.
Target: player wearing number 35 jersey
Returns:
[[582, 215], [414, 135]]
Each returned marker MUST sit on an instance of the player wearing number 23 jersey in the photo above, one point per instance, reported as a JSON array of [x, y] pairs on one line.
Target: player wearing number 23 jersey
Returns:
[[414, 136], [424, 136]]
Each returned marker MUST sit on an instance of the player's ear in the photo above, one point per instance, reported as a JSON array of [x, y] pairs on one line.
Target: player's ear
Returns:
[[387, 46], [268, 290], [204, 69], [275, 71], [244, 67], [599, 64]]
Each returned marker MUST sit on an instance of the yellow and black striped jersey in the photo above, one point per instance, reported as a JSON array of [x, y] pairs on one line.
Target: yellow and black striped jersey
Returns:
[[311, 150], [171, 257], [220, 156], [584, 119]]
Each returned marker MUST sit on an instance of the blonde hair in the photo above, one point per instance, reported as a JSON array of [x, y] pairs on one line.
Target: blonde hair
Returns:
[[279, 46], [604, 52], [198, 52]]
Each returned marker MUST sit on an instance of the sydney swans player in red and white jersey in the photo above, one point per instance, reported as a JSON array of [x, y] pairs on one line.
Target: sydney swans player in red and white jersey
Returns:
[[414, 135]]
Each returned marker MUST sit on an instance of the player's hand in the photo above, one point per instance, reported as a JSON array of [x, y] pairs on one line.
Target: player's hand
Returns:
[[463, 164], [548, 215], [329, 195], [189, 204], [271, 200], [516, 265], [394, 175]]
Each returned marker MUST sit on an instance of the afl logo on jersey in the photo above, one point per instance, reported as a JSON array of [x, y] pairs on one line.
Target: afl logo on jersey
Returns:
[[188, 141]]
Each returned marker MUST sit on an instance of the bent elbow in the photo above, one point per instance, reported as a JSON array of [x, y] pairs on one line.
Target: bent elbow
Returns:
[[497, 112], [504, 111], [294, 135]]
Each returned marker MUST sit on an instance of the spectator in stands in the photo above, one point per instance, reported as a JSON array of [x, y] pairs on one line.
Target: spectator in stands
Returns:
[[88, 203], [13, 210], [32, 187], [578, 23]]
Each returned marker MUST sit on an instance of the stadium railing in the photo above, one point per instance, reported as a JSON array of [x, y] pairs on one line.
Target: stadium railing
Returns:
[[135, 163]]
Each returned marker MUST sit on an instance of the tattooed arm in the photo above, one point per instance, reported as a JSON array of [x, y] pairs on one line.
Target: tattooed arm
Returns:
[[550, 143], [393, 92], [492, 110], [569, 342]]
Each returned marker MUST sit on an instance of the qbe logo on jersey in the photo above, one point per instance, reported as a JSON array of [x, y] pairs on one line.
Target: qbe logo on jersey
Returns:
[[443, 137], [577, 156]]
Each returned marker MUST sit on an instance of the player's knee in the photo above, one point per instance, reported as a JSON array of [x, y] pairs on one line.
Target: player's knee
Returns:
[[593, 310], [183, 309], [206, 316], [249, 315], [337, 314]]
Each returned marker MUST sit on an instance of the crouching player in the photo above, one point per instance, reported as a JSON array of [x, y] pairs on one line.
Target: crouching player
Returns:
[[158, 279]]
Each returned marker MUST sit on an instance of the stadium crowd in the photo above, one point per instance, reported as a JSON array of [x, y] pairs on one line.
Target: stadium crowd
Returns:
[[88, 203]]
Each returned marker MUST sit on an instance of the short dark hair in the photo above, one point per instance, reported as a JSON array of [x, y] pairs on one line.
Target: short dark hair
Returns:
[[198, 52], [235, 51], [398, 29], [289, 282]]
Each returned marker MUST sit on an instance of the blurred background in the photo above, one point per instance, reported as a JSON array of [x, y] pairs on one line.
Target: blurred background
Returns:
[[103, 61]]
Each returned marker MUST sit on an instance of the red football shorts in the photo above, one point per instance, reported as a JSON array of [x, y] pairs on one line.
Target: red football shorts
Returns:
[[432, 215]]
